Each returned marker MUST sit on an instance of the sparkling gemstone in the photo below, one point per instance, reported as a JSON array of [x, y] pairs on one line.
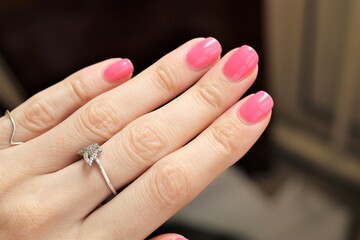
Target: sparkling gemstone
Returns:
[[90, 153]]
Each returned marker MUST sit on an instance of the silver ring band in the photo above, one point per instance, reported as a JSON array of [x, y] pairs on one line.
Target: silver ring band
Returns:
[[90, 155], [102, 170], [12, 142]]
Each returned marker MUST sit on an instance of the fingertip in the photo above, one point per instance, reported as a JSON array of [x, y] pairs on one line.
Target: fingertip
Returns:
[[256, 107], [204, 53], [119, 70]]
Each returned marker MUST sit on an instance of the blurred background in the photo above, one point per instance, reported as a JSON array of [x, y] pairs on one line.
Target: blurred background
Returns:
[[301, 181]]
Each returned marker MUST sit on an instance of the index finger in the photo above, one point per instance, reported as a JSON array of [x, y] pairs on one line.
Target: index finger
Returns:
[[51, 106]]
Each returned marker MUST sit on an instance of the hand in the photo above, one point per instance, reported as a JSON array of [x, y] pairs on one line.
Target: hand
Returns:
[[166, 134]]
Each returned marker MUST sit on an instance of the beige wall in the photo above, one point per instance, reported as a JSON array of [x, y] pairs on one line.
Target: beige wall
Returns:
[[314, 69]]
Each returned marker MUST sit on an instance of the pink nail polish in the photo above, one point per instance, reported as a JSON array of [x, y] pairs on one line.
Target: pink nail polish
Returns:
[[241, 63], [181, 238], [118, 70], [256, 107], [204, 53]]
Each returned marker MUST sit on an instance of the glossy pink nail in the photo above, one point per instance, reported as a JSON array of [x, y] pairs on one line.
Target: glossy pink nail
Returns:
[[256, 107], [118, 70], [181, 238], [241, 63], [204, 53]]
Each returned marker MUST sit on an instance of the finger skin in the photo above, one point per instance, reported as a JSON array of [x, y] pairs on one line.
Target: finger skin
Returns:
[[149, 138], [169, 236], [52, 105], [178, 178], [107, 114]]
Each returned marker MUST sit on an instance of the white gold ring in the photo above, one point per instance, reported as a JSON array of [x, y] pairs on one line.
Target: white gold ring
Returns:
[[90, 155]]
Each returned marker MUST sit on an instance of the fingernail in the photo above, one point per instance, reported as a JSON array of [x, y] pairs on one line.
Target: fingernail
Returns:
[[241, 63], [181, 238], [204, 53], [118, 70], [256, 107]]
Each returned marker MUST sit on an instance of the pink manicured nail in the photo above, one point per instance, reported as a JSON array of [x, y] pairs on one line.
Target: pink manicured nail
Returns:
[[241, 63], [204, 53], [118, 70], [181, 238], [256, 107]]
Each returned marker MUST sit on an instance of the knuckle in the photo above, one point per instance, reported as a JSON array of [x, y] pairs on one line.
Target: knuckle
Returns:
[[223, 138], [164, 78], [171, 184], [79, 89], [145, 143], [211, 93], [101, 119], [38, 116]]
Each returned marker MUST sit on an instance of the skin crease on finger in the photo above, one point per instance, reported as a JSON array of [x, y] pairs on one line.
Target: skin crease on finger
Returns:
[[36, 205]]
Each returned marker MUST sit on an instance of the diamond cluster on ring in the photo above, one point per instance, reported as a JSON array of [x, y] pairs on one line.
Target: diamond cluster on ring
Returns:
[[90, 153]]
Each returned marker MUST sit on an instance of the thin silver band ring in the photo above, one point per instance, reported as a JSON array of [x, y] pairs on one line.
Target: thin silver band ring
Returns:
[[107, 180], [12, 142], [90, 155]]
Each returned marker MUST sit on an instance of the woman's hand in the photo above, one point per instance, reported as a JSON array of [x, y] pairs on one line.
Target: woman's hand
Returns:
[[165, 134]]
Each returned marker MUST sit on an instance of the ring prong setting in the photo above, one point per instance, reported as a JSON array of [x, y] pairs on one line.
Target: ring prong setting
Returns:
[[90, 153]]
